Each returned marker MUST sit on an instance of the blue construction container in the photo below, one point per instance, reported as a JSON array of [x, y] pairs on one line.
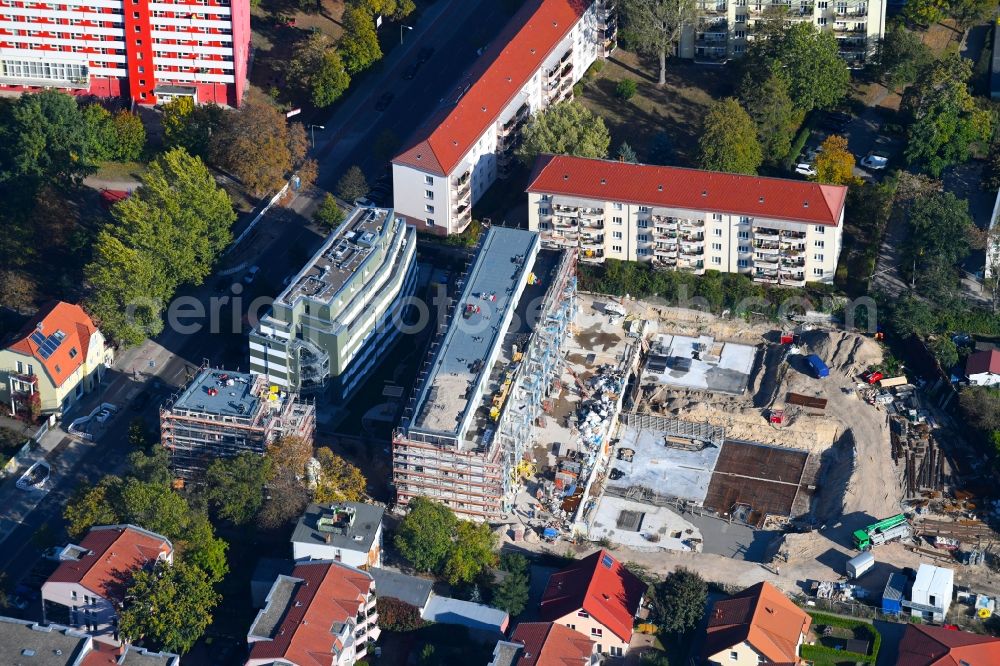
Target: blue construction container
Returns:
[[818, 366], [895, 592]]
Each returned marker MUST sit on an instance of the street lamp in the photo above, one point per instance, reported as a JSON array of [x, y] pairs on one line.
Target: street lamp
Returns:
[[401, 26], [312, 133]]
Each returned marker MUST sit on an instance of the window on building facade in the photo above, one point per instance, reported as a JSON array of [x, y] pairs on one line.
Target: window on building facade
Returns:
[[428, 180], [616, 206], [616, 248], [742, 263], [718, 232], [428, 208], [616, 220], [617, 235], [818, 257], [643, 224], [820, 229], [716, 260], [429, 194], [818, 271], [644, 209], [716, 246], [430, 221], [643, 238], [596, 631], [819, 243]]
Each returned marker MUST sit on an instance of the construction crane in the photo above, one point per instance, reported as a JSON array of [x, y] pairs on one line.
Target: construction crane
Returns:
[[884, 531]]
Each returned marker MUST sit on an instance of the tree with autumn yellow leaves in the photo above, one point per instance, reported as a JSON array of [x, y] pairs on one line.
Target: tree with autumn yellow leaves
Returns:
[[835, 163], [338, 480]]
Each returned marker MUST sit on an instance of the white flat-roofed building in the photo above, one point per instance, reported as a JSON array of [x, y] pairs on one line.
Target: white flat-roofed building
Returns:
[[775, 230], [465, 147], [337, 316]]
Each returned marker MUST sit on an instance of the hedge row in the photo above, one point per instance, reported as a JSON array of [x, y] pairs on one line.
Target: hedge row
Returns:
[[847, 623], [821, 654]]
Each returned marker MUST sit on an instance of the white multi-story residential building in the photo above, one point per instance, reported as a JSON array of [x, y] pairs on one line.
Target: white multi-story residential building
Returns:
[[88, 587], [145, 52], [460, 152], [776, 230], [723, 28], [324, 612], [348, 532], [332, 322]]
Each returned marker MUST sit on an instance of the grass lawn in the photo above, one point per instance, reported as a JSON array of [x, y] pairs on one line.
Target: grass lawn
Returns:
[[677, 108], [120, 171]]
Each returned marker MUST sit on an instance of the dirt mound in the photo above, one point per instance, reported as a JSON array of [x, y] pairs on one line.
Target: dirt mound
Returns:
[[846, 352]]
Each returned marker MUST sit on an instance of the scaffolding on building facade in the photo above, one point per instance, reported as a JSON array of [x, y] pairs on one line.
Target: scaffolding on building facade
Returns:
[[195, 434]]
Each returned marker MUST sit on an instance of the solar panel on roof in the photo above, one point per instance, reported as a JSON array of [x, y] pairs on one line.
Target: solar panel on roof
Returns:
[[607, 561], [37, 338]]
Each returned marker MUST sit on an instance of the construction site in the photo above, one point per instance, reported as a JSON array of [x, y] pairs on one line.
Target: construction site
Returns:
[[223, 413], [483, 389]]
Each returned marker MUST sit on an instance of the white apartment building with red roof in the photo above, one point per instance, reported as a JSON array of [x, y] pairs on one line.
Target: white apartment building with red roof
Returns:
[[58, 356], [141, 50], [776, 230], [87, 588], [454, 158], [323, 613]]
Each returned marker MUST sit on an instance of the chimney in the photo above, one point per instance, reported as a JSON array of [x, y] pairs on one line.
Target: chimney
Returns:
[[329, 538]]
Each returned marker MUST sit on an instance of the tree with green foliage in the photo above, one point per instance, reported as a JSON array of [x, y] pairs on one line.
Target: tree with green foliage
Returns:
[[991, 172], [167, 234], [656, 25], [911, 315], [190, 126], [152, 467], [835, 163], [234, 487], [199, 546], [170, 606], [944, 351], [626, 153], [352, 185], [568, 128], [776, 117], [729, 139], [329, 213], [980, 408], [43, 140], [98, 126], [424, 536], [285, 500], [359, 45], [679, 601], [154, 507], [626, 89], [512, 593], [471, 553], [318, 71], [945, 120], [818, 78], [92, 505], [130, 136], [971, 12], [137, 437], [924, 13], [940, 232], [902, 57]]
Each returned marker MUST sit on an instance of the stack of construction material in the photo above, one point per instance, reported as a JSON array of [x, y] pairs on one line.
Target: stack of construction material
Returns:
[[915, 448]]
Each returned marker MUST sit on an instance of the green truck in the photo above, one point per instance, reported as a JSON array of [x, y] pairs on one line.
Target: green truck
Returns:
[[884, 531]]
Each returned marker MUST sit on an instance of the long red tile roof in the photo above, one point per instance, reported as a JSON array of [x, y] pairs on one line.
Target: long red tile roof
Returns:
[[761, 616], [936, 646], [530, 38], [71, 353], [115, 552], [550, 644], [691, 189], [330, 593], [982, 362], [600, 585]]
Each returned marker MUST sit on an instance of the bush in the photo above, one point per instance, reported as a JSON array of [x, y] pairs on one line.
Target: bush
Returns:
[[578, 90], [626, 89], [396, 615], [329, 212]]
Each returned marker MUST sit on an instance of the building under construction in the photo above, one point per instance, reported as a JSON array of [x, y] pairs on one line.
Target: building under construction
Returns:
[[223, 413], [479, 396]]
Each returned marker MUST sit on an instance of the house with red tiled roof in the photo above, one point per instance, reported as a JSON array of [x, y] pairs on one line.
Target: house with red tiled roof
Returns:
[[58, 356], [924, 645], [323, 613], [776, 230], [983, 368], [597, 597], [759, 625], [456, 155], [545, 644], [28, 643], [87, 588]]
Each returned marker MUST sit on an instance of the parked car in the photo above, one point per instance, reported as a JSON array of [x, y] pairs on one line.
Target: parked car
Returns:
[[874, 161], [805, 169], [384, 101], [251, 274]]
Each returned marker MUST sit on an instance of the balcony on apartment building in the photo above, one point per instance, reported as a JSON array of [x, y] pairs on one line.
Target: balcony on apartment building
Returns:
[[511, 125], [793, 262], [766, 232], [665, 251], [852, 45], [847, 28], [592, 213], [713, 8], [860, 11], [592, 256], [565, 222], [691, 223], [793, 279], [562, 208], [665, 236]]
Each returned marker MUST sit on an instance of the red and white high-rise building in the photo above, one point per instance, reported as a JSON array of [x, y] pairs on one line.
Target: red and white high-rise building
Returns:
[[148, 52]]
